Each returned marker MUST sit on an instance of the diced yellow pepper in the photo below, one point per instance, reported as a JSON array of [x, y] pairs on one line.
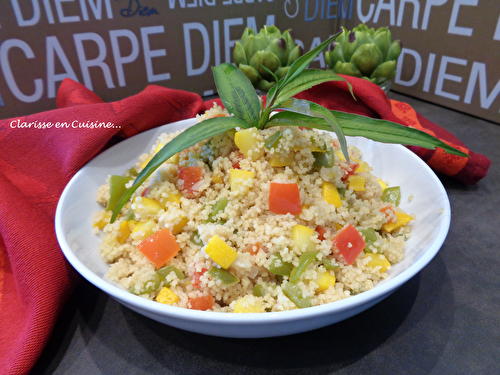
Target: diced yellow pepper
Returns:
[[167, 297], [402, 220], [281, 160], [173, 196], [340, 155], [220, 252], [145, 226], [382, 184], [132, 224], [324, 281], [236, 178], [331, 194], [338, 226], [177, 228], [301, 236], [174, 159], [217, 178], [378, 260], [152, 206], [123, 232], [362, 167], [243, 306], [357, 183], [103, 220], [247, 140]]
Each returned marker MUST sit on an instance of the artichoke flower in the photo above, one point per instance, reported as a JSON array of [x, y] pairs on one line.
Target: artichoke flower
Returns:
[[365, 53], [270, 49]]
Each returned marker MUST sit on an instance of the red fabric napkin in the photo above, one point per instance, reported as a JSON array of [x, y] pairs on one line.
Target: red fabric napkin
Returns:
[[36, 163]]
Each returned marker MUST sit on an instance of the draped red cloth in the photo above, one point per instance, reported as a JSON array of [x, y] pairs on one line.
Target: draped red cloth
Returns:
[[37, 161]]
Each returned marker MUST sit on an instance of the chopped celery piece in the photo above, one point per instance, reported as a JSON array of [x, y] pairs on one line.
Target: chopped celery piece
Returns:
[[259, 290], [279, 267], [392, 195], [116, 190], [165, 271], [150, 286], [330, 265], [324, 159], [370, 238], [195, 239], [223, 275], [293, 292], [304, 260], [273, 140], [129, 215], [218, 207]]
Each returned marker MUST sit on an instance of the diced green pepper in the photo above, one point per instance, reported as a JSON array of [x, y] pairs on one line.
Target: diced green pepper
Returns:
[[150, 286], [129, 215], [330, 265], [259, 290], [279, 267], [116, 190], [370, 237], [223, 275], [165, 271], [304, 260], [132, 172], [293, 292], [195, 239], [324, 159], [273, 140], [341, 191], [392, 195], [219, 206]]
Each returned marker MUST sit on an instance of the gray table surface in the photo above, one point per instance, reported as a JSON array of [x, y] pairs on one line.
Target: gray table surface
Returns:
[[445, 320]]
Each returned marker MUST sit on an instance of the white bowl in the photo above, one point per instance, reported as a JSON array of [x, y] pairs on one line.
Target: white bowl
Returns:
[[393, 163]]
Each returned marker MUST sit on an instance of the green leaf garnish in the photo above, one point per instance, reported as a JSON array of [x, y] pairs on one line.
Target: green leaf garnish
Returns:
[[240, 99]]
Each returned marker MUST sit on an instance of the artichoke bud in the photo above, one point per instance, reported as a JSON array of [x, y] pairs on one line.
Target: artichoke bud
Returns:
[[362, 37], [290, 41], [271, 32], [383, 42], [294, 55], [248, 31], [349, 46], [282, 71], [278, 47], [250, 72], [394, 51], [347, 68], [239, 54], [366, 58], [267, 59], [335, 54], [254, 44], [384, 71], [264, 85]]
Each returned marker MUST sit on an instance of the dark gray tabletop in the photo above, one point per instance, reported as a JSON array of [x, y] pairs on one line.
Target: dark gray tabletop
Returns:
[[443, 321]]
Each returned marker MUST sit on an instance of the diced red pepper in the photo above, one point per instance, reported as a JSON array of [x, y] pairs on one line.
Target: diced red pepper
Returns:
[[253, 248], [349, 170], [195, 277], [188, 178], [321, 233], [236, 162], [202, 303], [145, 192], [349, 242], [284, 198], [160, 247], [389, 213]]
